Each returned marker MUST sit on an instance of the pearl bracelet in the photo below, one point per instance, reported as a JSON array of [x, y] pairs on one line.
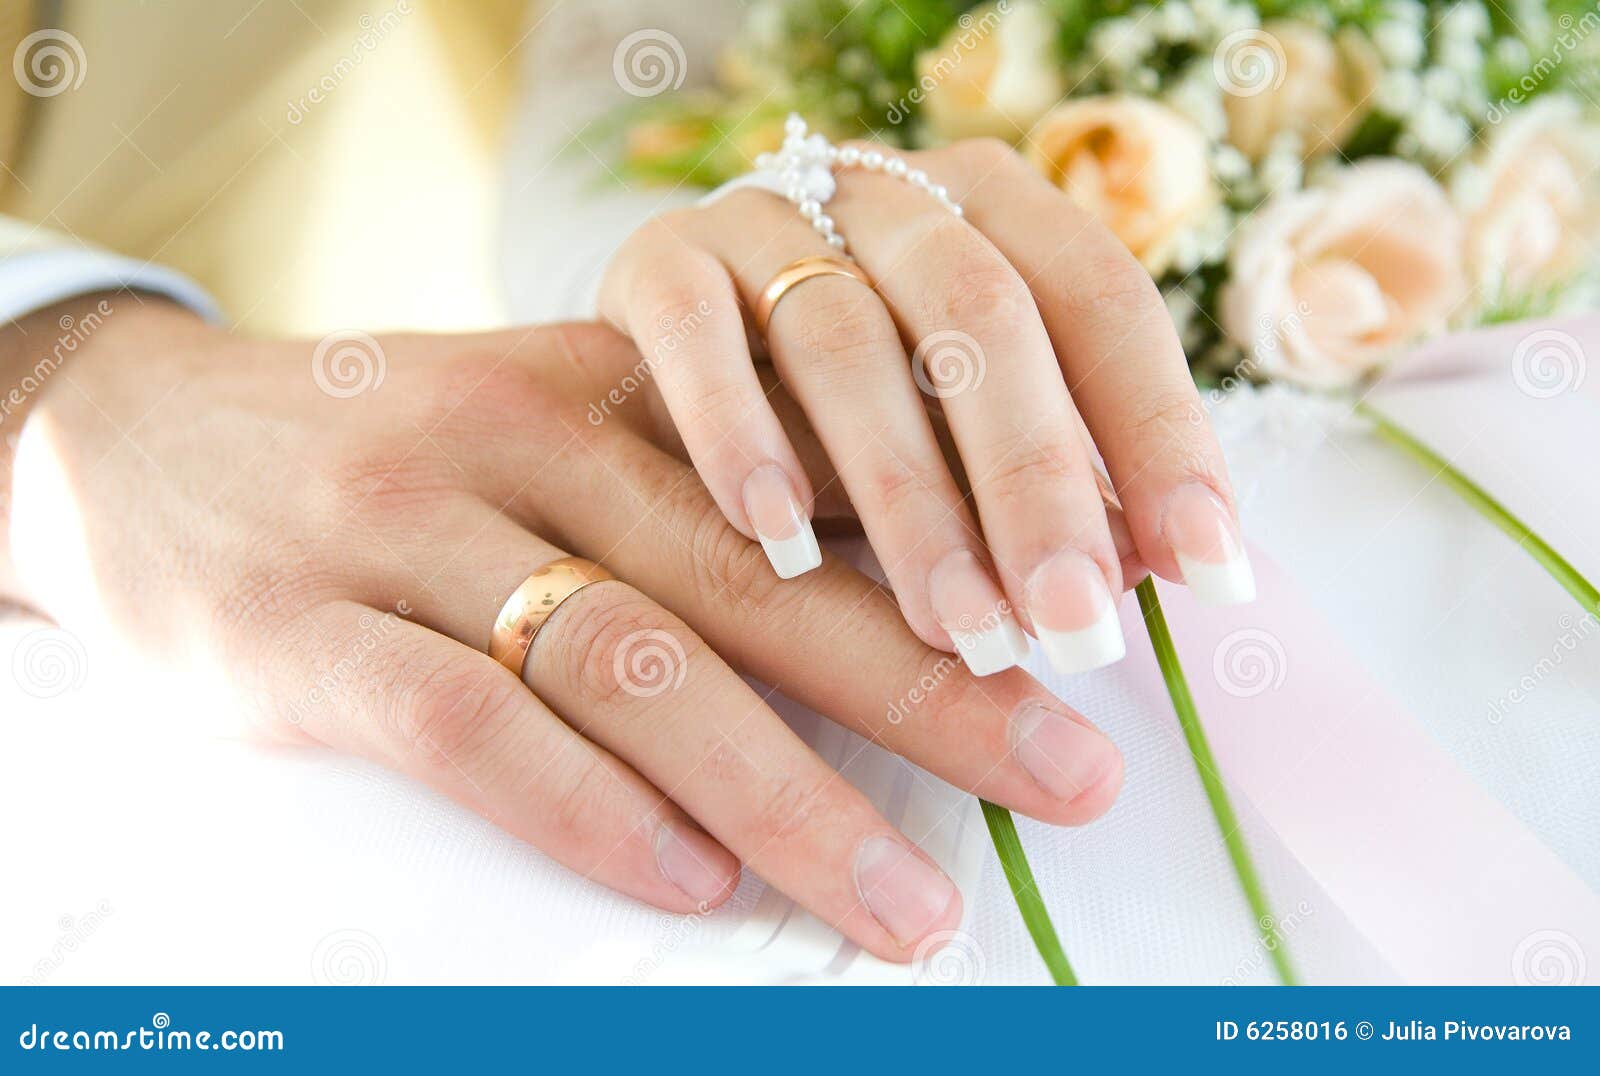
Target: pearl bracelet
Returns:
[[802, 172]]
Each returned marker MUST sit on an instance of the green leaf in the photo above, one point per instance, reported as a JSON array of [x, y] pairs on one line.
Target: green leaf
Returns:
[[1559, 568], [1216, 794], [1018, 875]]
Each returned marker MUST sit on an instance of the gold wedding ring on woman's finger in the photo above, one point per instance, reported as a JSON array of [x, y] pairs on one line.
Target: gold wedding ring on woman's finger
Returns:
[[798, 272]]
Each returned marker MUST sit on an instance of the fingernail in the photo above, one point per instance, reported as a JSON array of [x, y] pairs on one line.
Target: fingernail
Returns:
[[906, 894], [1065, 757], [968, 604], [692, 861], [780, 522], [1205, 542], [1074, 614]]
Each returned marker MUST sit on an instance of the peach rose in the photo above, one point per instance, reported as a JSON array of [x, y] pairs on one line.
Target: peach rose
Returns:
[[1137, 165], [1290, 76], [1325, 284], [994, 74], [1531, 207]]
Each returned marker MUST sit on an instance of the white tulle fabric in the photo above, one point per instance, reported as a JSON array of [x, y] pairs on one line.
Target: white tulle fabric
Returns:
[[145, 856]]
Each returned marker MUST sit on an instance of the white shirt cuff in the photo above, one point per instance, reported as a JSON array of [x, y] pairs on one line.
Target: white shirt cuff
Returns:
[[36, 279]]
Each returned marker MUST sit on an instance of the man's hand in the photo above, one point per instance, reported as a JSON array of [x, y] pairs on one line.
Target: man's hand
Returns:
[[332, 526]]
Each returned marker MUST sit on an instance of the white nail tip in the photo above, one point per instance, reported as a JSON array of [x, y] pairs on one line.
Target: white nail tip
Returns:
[[1098, 645], [992, 650], [1219, 584], [794, 555]]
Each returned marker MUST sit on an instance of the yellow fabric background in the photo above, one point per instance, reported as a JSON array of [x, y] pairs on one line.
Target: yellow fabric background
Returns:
[[197, 140]]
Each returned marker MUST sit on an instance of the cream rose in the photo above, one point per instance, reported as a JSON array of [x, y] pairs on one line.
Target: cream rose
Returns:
[[1137, 165], [1530, 202], [1325, 284], [1290, 76], [994, 74]]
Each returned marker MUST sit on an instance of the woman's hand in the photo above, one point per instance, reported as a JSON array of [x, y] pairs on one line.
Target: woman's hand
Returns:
[[326, 531], [1040, 338]]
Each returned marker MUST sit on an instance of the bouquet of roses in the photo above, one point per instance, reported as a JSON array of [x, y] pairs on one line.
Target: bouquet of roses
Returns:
[[1314, 186]]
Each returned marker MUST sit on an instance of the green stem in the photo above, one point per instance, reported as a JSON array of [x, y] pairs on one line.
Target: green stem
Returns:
[[1018, 875], [1189, 720], [1492, 510]]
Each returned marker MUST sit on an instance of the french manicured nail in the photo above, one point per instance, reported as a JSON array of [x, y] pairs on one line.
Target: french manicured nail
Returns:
[[692, 861], [1074, 614], [780, 521], [1205, 542], [905, 893], [1065, 757], [968, 604]]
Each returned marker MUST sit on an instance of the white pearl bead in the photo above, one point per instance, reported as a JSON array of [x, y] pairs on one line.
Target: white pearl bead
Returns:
[[794, 125], [940, 193], [836, 242], [810, 208], [794, 194], [895, 166], [823, 224], [957, 210], [917, 177], [849, 155], [872, 160]]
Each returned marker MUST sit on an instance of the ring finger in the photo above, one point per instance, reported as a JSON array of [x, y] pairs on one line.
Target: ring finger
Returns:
[[838, 351], [634, 679]]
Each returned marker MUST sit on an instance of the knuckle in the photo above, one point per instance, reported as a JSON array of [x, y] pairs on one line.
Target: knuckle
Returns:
[[985, 154], [1111, 288], [896, 485], [789, 806], [982, 292], [585, 789], [1162, 417], [617, 645], [947, 697], [1024, 462], [851, 327], [392, 476], [726, 562], [454, 714]]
